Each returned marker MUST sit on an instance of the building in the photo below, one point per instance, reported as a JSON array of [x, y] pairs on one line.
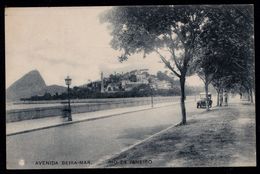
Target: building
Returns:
[[125, 83], [111, 88], [163, 85], [102, 83]]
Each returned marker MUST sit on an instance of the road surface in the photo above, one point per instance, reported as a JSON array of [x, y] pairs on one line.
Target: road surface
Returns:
[[80, 144]]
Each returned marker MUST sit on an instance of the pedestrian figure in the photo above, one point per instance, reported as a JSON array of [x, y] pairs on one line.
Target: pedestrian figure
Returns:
[[225, 98], [220, 99]]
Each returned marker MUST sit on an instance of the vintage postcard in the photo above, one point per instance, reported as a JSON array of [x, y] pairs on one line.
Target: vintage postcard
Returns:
[[130, 86]]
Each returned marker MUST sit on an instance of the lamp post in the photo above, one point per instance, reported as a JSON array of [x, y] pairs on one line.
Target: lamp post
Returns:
[[151, 86], [68, 82], [152, 95]]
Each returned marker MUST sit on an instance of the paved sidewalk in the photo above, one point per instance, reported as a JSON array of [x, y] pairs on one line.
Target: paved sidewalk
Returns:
[[48, 122], [221, 137]]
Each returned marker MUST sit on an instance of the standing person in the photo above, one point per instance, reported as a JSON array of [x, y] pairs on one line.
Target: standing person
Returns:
[[225, 98], [221, 98]]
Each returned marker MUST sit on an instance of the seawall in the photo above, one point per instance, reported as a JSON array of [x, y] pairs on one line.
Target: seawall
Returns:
[[40, 112]]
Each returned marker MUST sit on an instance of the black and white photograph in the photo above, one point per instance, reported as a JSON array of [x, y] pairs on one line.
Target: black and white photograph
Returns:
[[94, 87]]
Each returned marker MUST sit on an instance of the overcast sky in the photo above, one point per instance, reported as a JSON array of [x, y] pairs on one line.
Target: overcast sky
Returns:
[[66, 41]]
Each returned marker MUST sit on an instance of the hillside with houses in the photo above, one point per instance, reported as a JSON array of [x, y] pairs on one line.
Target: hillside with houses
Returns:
[[135, 83], [128, 81]]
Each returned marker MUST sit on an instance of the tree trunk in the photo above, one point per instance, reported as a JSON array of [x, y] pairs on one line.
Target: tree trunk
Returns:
[[183, 110], [218, 91], [207, 96], [221, 97], [251, 96], [248, 97]]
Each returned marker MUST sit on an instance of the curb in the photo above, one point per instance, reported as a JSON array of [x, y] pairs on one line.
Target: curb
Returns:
[[99, 162], [87, 119]]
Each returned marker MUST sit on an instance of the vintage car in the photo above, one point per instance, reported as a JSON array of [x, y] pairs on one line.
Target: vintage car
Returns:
[[201, 103]]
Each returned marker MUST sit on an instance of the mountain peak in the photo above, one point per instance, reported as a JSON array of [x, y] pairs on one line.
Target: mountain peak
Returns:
[[26, 86], [35, 71]]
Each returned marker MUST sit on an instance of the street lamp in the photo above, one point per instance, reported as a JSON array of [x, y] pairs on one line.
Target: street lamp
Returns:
[[151, 86], [152, 95], [68, 82]]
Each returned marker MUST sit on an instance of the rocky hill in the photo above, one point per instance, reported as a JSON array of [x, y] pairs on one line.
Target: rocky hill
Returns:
[[52, 89], [26, 86], [31, 84]]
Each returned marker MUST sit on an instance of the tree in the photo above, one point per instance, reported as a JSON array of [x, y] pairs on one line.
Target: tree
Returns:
[[142, 90], [133, 78], [114, 78], [205, 65], [153, 29], [227, 49], [163, 76], [206, 73]]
